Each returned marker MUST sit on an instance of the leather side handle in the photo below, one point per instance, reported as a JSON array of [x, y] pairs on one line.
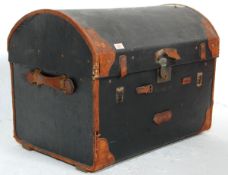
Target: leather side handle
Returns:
[[62, 82], [170, 52], [162, 117]]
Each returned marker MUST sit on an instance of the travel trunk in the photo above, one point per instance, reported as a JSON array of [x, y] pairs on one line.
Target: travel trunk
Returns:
[[95, 87]]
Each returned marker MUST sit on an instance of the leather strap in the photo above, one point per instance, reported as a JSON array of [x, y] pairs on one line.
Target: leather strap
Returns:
[[170, 52], [123, 65], [146, 89]]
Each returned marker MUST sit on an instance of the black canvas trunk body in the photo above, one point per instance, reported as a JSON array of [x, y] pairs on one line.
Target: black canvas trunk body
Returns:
[[94, 87]]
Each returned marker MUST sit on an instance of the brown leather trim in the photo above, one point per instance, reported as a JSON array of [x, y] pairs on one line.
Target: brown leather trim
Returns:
[[103, 156], [208, 119], [162, 117], [100, 52], [123, 65], [208, 116], [106, 53], [213, 39], [27, 147]]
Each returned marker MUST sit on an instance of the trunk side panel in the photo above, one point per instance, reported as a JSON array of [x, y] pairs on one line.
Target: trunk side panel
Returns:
[[45, 117]]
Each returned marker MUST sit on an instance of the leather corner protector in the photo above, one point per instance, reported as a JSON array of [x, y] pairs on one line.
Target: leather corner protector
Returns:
[[208, 119], [27, 147], [212, 36], [103, 156], [105, 52]]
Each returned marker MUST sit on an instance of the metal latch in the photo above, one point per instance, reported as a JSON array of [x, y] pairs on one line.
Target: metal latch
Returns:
[[164, 72], [199, 79], [161, 58], [119, 94]]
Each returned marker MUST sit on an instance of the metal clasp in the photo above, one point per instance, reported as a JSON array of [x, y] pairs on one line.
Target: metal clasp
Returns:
[[119, 94], [161, 57], [164, 72]]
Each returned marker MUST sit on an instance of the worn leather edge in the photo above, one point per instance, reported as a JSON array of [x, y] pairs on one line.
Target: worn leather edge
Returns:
[[212, 36], [208, 115], [103, 155], [105, 51], [208, 119], [99, 52]]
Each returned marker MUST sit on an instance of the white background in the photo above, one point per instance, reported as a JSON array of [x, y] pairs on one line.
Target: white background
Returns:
[[205, 154]]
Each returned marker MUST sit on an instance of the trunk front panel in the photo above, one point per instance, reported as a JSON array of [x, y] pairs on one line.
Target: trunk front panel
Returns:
[[129, 125]]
